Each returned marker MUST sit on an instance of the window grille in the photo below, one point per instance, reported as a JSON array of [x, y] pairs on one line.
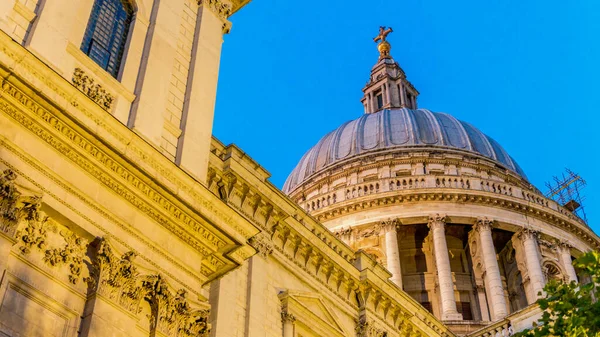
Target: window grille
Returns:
[[106, 33]]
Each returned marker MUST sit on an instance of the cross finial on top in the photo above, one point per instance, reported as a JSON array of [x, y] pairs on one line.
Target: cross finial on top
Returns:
[[383, 33]]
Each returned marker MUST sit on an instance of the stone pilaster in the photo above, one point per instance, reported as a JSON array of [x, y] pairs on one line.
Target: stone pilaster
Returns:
[[564, 250], [529, 239], [392, 252], [493, 280], [288, 320], [193, 149], [442, 260]]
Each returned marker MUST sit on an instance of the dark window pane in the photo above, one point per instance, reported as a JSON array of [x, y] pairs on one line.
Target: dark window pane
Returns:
[[106, 34]]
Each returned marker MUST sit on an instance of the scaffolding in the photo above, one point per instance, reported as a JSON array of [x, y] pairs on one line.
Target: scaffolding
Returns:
[[566, 191]]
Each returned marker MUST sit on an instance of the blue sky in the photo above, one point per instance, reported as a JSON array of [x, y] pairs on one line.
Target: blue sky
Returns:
[[524, 72]]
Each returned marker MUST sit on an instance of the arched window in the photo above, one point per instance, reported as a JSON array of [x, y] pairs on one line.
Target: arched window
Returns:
[[106, 33]]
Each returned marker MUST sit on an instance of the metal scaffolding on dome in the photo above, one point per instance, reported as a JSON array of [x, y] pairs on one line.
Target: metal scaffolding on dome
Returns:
[[566, 191]]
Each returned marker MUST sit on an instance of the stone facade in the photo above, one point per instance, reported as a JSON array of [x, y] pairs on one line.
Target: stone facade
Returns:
[[121, 215]]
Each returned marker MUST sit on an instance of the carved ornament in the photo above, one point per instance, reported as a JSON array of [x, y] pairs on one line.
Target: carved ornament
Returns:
[[219, 7], [262, 244], [436, 221], [390, 225], [72, 254], [91, 89], [117, 278], [484, 224]]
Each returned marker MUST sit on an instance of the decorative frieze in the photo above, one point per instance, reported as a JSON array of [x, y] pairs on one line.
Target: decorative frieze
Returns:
[[91, 89]]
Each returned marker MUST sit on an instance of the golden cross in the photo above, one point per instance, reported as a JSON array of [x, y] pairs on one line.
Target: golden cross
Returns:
[[383, 33]]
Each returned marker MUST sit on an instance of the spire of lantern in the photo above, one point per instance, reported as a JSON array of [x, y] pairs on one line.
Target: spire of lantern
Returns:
[[387, 87]]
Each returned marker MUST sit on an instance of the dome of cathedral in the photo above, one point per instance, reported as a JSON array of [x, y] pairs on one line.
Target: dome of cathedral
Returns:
[[398, 130]]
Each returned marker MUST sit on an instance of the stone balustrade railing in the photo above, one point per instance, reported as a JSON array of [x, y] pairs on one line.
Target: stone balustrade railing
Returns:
[[361, 189], [501, 328]]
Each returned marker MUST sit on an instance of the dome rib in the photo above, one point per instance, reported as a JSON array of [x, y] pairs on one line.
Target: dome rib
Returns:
[[397, 129]]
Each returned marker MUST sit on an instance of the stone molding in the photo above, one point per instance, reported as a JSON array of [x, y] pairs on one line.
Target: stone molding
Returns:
[[116, 146], [511, 204], [176, 218]]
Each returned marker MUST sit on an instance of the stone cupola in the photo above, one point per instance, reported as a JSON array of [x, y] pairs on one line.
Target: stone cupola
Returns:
[[387, 87]]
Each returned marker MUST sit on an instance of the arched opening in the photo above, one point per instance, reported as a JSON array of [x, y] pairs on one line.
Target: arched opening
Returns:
[[106, 33]]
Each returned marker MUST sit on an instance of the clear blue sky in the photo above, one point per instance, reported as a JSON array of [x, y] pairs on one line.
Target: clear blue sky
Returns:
[[525, 72]]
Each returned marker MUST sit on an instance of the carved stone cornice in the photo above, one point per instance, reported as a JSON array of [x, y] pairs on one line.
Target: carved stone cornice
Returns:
[[436, 221], [92, 156], [513, 204], [262, 243], [220, 8]]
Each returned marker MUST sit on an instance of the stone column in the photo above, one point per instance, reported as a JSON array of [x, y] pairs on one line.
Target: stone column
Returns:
[[392, 252], [532, 261], [493, 280], [564, 250], [288, 324], [483, 306], [442, 260], [402, 96], [388, 94]]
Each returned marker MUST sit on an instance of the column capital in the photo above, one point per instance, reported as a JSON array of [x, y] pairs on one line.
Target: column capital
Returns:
[[564, 245], [436, 221], [483, 224], [390, 225], [528, 234], [287, 317]]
